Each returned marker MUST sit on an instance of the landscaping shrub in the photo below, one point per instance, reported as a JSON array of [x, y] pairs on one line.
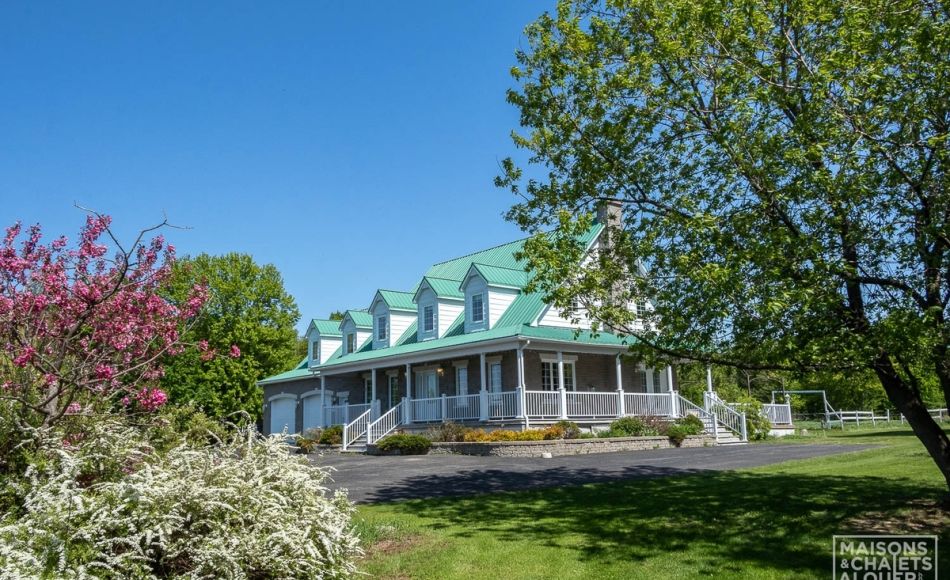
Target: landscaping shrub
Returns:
[[230, 510], [332, 435], [757, 424], [482, 436], [632, 427], [563, 430], [447, 432], [308, 440], [405, 444], [684, 427]]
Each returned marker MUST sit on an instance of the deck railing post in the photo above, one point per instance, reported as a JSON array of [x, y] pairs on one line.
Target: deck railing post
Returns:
[[519, 403], [745, 436], [621, 404], [445, 407], [562, 403], [483, 405], [674, 412]]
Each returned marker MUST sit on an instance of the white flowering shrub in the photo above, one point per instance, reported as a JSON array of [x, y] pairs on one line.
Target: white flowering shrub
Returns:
[[115, 508]]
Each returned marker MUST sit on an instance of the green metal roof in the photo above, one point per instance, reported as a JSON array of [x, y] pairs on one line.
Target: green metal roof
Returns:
[[442, 287], [361, 318], [397, 300], [498, 266], [505, 277], [326, 327], [503, 256], [459, 339], [301, 371]]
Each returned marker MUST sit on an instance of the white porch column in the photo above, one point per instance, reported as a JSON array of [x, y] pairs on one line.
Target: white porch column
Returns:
[[483, 393], [651, 388], [408, 393], [373, 385], [669, 377], [621, 404], [560, 384], [709, 384], [323, 402], [520, 389]]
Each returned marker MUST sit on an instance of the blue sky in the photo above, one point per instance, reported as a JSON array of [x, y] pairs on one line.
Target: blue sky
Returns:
[[351, 144]]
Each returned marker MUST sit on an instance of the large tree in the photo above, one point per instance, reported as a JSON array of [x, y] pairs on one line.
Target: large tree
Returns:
[[244, 332], [784, 170]]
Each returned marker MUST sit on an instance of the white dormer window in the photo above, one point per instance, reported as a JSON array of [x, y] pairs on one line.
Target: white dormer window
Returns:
[[351, 342], [315, 350], [428, 319], [381, 328], [478, 307]]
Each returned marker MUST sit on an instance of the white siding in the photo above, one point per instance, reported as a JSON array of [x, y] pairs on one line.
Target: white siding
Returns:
[[499, 299], [449, 310], [399, 321], [552, 316], [328, 346]]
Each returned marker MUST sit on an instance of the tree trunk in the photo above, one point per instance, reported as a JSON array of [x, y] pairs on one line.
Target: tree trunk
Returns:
[[912, 406]]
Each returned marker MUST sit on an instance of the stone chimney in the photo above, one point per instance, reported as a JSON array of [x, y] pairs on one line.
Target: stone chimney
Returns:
[[610, 213]]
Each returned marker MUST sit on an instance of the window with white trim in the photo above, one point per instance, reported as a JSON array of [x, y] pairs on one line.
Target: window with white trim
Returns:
[[549, 376], [315, 351], [461, 381], [351, 342], [494, 375], [428, 319], [478, 307], [382, 328], [393, 389]]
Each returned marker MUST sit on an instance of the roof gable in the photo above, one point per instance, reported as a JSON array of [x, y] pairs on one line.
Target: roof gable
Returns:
[[497, 276], [324, 327], [360, 318], [441, 287], [395, 299]]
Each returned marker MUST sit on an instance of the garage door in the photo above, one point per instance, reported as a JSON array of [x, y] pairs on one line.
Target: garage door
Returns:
[[311, 412], [283, 415]]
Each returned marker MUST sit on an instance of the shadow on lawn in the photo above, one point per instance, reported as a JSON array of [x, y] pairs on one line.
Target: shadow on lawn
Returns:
[[728, 519]]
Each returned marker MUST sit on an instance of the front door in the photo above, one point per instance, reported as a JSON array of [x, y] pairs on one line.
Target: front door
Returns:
[[427, 387]]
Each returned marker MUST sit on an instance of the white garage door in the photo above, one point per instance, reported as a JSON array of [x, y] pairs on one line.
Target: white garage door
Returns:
[[283, 415], [311, 412]]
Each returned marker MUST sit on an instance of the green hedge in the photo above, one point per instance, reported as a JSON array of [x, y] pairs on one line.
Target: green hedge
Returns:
[[405, 444]]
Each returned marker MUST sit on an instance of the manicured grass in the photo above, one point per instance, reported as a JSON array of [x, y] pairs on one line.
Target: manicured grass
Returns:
[[770, 522]]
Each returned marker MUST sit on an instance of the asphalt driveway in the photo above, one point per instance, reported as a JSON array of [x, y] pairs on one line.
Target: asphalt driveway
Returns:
[[372, 479]]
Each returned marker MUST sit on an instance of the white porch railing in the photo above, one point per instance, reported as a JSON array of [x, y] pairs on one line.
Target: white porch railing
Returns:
[[592, 405], [343, 414], [644, 404], [386, 424], [726, 415], [357, 428], [543, 404], [778, 413], [426, 410], [463, 407], [503, 405]]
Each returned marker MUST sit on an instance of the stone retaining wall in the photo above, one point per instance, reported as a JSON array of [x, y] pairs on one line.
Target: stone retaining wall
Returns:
[[566, 446]]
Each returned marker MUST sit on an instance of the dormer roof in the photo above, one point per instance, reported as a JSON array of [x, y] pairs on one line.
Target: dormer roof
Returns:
[[325, 327], [496, 276], [395, 300], [441, 287], [360, 318]]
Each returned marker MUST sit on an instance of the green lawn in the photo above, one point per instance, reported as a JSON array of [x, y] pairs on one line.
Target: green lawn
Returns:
[[773, 522]]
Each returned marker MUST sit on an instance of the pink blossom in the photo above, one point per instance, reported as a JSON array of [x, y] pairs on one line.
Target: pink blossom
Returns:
[[235, 351], [74, 408]]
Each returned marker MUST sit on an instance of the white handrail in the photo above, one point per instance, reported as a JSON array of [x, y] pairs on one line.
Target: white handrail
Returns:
[[726, 415], [386, 424], [356, 428], [648, 404], [592, 405]]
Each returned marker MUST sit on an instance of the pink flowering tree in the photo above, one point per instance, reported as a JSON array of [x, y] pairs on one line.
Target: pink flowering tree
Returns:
[[84, 327]]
